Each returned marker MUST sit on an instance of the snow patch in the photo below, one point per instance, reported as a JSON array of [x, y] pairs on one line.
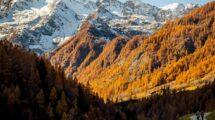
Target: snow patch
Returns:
[[172, 6]]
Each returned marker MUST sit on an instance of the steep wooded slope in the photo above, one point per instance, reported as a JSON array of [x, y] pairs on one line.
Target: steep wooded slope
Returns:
[[30, 88], [179, 55], [79, 51]]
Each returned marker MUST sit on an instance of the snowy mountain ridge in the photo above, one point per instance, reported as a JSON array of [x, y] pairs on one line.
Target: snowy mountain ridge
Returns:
[[44, 23], [40, 25], [175, 6]]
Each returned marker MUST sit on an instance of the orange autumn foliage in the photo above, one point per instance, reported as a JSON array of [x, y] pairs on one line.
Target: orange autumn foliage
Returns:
[[181, 51]]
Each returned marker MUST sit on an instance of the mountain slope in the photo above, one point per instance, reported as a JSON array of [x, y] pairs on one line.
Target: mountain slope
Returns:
[[80, 50], [143, 66], [36, 90], [107, 25], [155, 63]]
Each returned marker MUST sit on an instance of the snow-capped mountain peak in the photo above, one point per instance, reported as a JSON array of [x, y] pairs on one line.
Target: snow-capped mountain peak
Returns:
[[136, 2], [171, 6], [40, 24], [191, 6], [178, 6]]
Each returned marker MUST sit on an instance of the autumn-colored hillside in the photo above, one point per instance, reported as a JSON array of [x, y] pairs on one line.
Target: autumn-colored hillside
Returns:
[[179, 55], [182, 51], [30, 88], [80, 51]]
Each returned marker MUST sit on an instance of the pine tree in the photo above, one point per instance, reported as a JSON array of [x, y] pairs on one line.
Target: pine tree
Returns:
[[5, 91], [17, 93], [5, 67], [62, 105], [65, 116], [42, 69], [50, 112], [53, 95], [11, 98], [40, 98]]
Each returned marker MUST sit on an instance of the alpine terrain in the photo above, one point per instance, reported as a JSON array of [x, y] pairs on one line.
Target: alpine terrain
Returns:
[[46, 23], [106, 60]]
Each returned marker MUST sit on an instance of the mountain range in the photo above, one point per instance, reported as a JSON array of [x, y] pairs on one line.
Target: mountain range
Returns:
[[41, 25]]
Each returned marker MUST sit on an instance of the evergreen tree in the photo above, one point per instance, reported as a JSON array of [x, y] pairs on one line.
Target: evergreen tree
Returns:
[[40, 98], [62, 105], [65, 116], [17, 93], [50, 112], [53, 95]]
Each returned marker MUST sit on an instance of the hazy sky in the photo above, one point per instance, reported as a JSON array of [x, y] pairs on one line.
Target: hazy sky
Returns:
[[161, 3]]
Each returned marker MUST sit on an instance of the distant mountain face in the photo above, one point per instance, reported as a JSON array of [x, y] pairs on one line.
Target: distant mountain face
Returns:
[[180, 55], [40, 25], [134, 17]]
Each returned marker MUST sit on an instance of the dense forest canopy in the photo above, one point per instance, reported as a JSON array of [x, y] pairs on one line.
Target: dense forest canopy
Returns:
[[32, 89], [180, 55]]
